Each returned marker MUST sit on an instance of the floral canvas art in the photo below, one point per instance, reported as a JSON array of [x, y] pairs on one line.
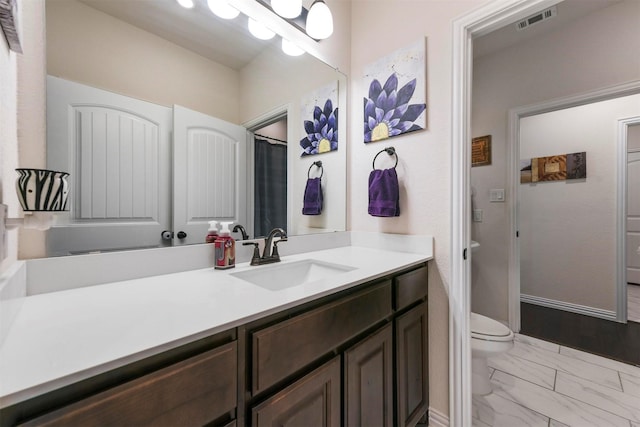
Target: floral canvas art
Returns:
[[319, 111], [395, 102]]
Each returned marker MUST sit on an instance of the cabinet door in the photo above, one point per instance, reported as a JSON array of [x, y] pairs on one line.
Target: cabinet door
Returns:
[[282, 349], [195, 391], [412, 352], [314, 400], [368, 399]]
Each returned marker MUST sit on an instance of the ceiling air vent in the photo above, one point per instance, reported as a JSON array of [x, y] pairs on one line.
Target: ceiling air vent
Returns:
[[536, 18]]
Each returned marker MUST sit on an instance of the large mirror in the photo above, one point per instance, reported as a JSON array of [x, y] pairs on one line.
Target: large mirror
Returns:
[[160, 114]]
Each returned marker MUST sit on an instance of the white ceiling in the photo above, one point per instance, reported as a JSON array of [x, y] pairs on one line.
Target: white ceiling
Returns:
[[568, 10]]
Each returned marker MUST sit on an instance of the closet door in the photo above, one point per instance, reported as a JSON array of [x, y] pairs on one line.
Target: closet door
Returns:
[[633, 217], [210, 174], [116, 149]]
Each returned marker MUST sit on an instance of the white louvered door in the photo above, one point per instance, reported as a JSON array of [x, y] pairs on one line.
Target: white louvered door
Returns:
[[209, 173], [117, 150]]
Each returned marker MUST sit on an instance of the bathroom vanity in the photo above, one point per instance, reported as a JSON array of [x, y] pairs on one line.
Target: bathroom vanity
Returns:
[[349, 348]]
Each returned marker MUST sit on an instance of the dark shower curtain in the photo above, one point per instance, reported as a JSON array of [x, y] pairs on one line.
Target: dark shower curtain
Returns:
[[270, 187]]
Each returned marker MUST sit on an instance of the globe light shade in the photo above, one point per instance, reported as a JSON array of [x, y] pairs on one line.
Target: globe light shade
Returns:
[[222, 9], [290, 48], [187, 4], [259, 31], [319, 21], [287, 8]]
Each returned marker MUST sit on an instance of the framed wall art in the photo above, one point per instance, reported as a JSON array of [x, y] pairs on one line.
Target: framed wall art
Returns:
[[481, 151], [395, 98]]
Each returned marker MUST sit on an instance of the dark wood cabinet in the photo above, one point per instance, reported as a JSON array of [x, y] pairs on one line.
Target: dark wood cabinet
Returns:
[[355, 358], [314, 400], [368, 381], [412, 354]]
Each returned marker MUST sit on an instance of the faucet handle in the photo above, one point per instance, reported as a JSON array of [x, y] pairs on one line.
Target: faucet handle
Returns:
[[255, 258], [274, 252]]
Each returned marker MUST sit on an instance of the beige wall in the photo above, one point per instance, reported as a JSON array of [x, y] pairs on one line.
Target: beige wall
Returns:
[[22, 120], [8, 141], [424, 167], [568, 228], [585, 55], [91, 47]]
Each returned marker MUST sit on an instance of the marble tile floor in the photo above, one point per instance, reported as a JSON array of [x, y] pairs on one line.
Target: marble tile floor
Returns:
[[538, 383], [633, 303]]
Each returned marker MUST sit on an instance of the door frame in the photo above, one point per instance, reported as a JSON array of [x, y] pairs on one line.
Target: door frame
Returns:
[[621, 193], [513, 180], [261, 121], [476, 23]]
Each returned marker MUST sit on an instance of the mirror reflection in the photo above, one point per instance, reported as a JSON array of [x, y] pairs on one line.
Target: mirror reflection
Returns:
[[168, 118]]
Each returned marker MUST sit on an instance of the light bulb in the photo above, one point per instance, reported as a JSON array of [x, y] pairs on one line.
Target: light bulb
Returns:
[[290, 48], [287, 8], [222, 9], [259, 31], [187, 4], [319, 21]]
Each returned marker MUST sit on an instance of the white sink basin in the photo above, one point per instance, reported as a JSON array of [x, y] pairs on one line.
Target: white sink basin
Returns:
[[276, 277]]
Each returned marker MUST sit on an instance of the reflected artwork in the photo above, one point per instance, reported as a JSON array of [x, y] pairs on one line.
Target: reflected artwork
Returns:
[[321, 132]]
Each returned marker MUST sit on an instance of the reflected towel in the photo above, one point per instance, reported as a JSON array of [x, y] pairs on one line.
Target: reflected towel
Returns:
[[312, 201], [384, 193]]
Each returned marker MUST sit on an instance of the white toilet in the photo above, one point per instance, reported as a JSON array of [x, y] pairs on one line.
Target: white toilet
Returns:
[[488, 338]]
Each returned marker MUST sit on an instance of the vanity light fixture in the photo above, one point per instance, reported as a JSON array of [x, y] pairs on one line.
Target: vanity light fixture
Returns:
[[260, 31], [287, 8], [187, 4], [319, 21], [290, 48], [222, 9]]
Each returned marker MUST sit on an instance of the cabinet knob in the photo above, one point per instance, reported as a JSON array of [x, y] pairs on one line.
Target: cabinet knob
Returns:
[[181, 234], [167, 235]]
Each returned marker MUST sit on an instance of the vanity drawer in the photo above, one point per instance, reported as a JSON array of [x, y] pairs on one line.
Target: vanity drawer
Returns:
[[410, 287], [195, 391], [282, 349]]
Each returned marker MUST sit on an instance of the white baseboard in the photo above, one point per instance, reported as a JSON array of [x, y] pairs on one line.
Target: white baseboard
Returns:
[[437, 419], [567, 306]]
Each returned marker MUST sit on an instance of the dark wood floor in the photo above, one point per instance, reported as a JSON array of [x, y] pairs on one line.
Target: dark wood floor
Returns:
[[610, 339]]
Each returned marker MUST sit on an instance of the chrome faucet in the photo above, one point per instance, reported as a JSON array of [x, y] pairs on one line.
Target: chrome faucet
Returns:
[[268, 255]]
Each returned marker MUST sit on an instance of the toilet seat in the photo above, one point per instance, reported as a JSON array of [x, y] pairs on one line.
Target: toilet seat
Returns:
[[485, 328]]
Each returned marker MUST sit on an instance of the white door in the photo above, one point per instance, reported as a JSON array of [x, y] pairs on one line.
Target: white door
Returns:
[[117, 150], [633, 217], [210, 180]]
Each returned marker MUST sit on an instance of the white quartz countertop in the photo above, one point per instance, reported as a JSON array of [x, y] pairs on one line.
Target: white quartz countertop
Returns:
[[63, 337]]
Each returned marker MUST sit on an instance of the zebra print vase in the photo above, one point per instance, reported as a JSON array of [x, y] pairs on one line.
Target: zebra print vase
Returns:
[[42, 190]]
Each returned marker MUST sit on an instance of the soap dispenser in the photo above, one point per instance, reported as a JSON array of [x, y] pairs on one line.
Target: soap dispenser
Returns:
[[212, 234], [225, 248]]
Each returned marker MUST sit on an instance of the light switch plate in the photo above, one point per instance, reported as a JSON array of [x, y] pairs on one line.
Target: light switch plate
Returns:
[[3, 233], [496, 195], [477, 215]]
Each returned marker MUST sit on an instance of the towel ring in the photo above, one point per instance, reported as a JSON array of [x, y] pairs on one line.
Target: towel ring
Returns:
[[318, 164], [390, 151]]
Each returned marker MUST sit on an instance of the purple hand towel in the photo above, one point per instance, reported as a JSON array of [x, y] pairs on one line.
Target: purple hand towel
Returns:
[[312, 201], [384, 193]]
